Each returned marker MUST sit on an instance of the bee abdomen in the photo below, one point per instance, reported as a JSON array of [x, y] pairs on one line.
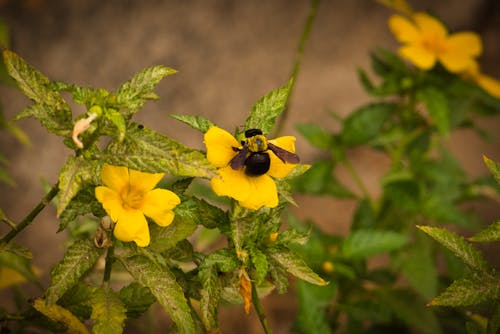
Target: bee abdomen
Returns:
[[257, 164]]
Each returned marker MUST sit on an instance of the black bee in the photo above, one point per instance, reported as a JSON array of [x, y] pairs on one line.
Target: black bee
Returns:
[[254, 154]]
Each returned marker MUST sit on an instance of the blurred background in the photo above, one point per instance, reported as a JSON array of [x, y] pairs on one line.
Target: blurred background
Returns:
[[228, 54]]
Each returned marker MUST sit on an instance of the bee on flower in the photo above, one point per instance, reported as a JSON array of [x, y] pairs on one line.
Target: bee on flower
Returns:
[[246, 169]]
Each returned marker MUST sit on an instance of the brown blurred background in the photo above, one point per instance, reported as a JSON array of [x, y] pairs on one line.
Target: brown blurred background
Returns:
[[228, 54]]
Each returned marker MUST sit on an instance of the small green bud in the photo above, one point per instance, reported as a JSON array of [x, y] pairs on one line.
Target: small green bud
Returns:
[[95, 109]]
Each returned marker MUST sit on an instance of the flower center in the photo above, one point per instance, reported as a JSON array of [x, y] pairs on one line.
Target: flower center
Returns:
[[435, 44], [132, 198]]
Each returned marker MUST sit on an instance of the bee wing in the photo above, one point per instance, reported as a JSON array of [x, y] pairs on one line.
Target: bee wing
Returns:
[[283, 154], [238, 161]]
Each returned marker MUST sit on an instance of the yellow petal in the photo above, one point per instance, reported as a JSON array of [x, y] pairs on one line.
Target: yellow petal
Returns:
[[232, 183], [429, 26], [143, 182], [419, 56], [489, 84], [111, 202], [133, 227], [220, 145], [115, 177], [461, 48], [403, 29], [278, 168], [263, 192], [158, 205]]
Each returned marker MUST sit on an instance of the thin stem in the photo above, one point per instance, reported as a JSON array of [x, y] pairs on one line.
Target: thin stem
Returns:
[[357, 179], [260, 310], [313, 9], [109, 263], [32, 215]]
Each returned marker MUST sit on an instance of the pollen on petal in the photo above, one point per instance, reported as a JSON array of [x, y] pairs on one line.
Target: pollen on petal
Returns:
[[220, 145]]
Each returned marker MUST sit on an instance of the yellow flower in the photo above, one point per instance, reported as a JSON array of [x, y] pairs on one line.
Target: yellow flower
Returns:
[[426, 41], [250, 191], [128, 196]]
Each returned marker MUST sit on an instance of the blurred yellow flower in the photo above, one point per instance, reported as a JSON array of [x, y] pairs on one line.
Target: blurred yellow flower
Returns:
[[251, 191], [128, 196], [489, 84], [427, 41]]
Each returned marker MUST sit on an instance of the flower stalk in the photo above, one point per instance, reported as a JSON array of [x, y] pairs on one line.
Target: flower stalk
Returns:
[[260, 310]]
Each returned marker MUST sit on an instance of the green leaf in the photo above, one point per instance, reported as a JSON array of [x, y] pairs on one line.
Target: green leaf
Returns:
[[409, 309], [137, 299], [118, 121], [163, 285], [472, 289], [184, 224], [148, 151], [313, 302], [296, 266], [136, 91], [260, 264], [13, 259], [365, 123], [82, 203], [494, 168], [196, 122], [437, 106], [60, 315], [108, 312], [417, 265], [210, 296], [267, 109], [319, 180], [490, 234], [49, 118], [78, 259], [364, 243], [76, 172], [278, 275], [316, 135], [77, 300], [458, 246]]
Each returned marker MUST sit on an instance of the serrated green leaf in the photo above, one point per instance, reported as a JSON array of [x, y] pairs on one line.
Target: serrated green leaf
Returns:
[[184, 224], [458, 246], [296, 266], [472, 289], [313, 301], [259, 261], [76, 172], [196, 122], [494, 168], [137, 299], [77, 300], [108, 312], [225, 259], [365, 123], [278, 275], [265, 111], [437, 106], [62, 316], [210, 296], [82, 203], [118, 121], [49, 118], [148, 151], [78, 259], [364, 243], [316, 135], [490, 234], [163, 285], [135, 92]]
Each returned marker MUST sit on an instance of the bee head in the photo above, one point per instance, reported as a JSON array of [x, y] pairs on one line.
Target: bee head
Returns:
[[252, 132]]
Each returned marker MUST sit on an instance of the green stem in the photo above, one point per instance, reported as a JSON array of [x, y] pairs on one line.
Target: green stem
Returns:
[[357, 179], [32, 215], [313, 9], [260, 310], [109, 263]]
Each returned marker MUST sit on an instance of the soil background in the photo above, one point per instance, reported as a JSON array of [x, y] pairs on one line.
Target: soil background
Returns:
[[228, 54]]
